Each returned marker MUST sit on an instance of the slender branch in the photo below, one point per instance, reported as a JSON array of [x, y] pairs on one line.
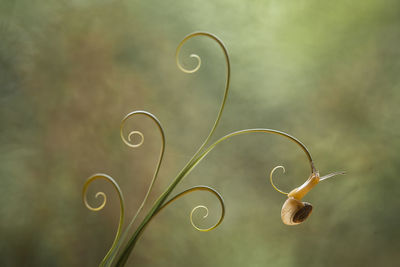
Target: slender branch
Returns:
[[228, 75], [256, 130], [128, 143], [160, 128], [121, 203]]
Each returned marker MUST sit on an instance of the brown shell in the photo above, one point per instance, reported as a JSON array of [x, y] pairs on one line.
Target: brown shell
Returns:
[[295, 212]]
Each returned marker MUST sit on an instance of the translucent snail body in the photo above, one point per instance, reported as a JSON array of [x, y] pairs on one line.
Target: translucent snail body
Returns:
[[294, 211]]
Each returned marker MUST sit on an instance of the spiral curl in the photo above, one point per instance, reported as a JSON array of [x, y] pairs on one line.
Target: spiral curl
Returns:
[[102, 205], [130, 134], [130, 139], [128, 143], [197, 67], [200, 188], [271, 179]]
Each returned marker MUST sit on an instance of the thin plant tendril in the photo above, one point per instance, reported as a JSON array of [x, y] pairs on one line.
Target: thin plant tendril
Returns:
[[187, 70], [271, 179], [204, 216], [102, 205], [228, 75], [200, 188], [130, 139], [246, 131], [157, 122], [121, 202], [128, 143]]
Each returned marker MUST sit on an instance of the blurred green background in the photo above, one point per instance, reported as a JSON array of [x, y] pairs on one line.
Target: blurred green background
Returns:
[[326, 72]]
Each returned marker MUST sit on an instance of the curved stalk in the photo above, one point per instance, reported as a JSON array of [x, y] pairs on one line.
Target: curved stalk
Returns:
[[121, 203], [128, 143], [228, 75], [257, 130], [160, 128]]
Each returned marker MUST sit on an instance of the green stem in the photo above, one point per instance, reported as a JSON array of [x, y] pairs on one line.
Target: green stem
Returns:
[[109, 179], [156, 206], [128, 143]]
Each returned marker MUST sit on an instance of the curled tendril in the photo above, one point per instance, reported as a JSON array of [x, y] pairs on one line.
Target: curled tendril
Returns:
[[121, 202], [196, 68], [130, 139], [140, 134], [195, 56], [102, 205], [200, 188], [271, 179], [228, 75], [247, 131], [128, 143], [204, 216]]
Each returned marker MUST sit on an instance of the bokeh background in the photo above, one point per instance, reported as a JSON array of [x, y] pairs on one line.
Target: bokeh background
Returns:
[[327, 72]]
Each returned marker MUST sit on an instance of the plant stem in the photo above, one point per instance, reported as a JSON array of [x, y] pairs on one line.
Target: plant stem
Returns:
[[156, 206]]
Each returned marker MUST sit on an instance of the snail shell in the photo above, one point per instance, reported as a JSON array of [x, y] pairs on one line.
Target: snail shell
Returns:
[[295, 212]]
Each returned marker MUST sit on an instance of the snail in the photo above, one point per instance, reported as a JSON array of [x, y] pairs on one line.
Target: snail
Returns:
[[294, 211]]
